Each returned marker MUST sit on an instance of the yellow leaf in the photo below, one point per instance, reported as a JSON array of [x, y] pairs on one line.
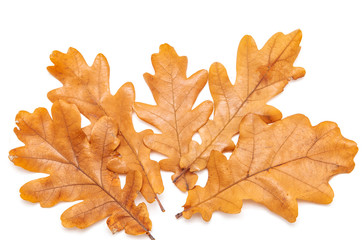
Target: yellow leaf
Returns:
[[77, 169], [173, 115], [274, 165]]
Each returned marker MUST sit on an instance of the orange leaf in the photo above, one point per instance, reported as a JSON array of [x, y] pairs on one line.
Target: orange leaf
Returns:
[[88, 88], [274, 165], [261, 75], [77, 169], [175, 95]]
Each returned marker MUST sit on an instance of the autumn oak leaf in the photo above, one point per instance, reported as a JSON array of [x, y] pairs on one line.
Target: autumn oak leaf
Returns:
[[274, 165], [88, 88], [77, 169], [173, 115], [261, 75]]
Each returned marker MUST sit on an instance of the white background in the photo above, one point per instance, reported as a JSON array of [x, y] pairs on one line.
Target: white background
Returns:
[[205, 32]]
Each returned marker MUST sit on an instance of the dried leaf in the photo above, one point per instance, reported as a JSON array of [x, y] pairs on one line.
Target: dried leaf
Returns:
[[77, 169], [276, 162], [274, 165], [88, 88], [175, 95], [261, 75]]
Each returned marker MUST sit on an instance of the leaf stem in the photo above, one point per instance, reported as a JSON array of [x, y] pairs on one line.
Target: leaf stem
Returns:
[[150, 235], [178, 215], [159, 203]]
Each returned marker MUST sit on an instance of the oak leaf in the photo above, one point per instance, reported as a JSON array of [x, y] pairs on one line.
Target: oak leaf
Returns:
[[88, 88], [77, 169], [261, 75], [175, 95], [274, 165]]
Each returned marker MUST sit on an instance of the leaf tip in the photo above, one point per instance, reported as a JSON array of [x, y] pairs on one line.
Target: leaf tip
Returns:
[[247, 41], [12, 157], [72, 50], [216, 68], [297, 34], [100, 60], [148, 77], [298, 72], [166, 51], [128, 89], [129, 85], [50, 69], [165, 47]]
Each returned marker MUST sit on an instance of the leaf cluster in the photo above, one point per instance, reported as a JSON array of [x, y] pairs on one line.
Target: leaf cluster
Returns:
[[275, 161]]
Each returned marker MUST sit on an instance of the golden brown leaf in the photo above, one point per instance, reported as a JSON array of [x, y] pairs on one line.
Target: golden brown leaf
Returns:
[[77, 169], [175, 95], [274, 165], [88, 88], [261, 75]]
